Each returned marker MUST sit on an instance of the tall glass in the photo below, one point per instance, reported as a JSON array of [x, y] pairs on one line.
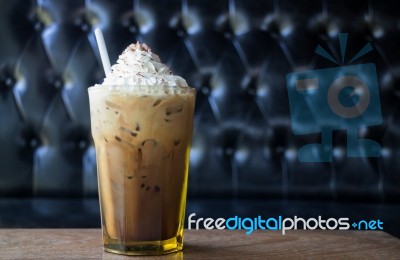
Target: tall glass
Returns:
[[142, 136]]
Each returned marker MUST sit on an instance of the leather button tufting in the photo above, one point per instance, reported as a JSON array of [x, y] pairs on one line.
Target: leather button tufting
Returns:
[[129, 22], [37, 24], [233, 24], [39, 18], [187, 23], [236, 54], [271, 24], [250, 84], [28, 141], [373, 27], [277, 26], [391, 81], [7, 79], [324, 26], [56, 81], [76, 141], [203, 83], [83, 21]]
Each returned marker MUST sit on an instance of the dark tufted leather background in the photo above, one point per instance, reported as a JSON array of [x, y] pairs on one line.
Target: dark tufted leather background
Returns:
[[235, 53]]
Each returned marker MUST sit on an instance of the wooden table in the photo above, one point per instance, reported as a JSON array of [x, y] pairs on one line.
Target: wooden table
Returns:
[[206, 244]]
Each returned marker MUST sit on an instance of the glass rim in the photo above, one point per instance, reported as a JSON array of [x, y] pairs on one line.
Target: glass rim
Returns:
[[117, 87]]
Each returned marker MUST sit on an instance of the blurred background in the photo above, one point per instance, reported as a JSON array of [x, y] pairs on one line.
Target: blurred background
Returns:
[[236, 54]]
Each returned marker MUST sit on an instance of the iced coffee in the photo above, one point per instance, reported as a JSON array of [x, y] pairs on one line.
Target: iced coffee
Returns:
[[141, 119]]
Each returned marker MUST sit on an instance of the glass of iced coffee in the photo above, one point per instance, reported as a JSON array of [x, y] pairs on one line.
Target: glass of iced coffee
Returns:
[[141, 119]]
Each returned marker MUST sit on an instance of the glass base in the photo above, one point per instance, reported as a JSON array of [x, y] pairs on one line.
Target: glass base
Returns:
[[162, 247]]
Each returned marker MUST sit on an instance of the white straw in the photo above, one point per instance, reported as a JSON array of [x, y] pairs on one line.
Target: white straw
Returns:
[[103, 51]]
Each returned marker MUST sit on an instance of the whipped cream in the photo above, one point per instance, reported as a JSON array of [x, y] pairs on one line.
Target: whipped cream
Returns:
[[138, 66]]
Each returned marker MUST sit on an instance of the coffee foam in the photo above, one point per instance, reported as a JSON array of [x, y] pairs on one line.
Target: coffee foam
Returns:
[[138, 66]]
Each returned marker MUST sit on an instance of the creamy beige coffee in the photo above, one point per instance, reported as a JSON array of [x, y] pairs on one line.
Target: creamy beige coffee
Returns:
[[141, 119]]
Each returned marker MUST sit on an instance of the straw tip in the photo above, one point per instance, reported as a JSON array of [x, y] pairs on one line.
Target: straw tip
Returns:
[[103, 51], [98, 33]]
